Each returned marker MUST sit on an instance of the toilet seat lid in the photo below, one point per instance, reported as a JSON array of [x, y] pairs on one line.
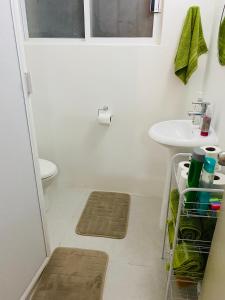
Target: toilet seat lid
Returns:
[[47, 168]]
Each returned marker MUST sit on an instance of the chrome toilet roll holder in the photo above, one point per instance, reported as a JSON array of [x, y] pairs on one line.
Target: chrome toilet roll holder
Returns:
[[104, 108]]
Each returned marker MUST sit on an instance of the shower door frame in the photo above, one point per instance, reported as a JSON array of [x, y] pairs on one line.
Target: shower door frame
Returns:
[[19, 36]]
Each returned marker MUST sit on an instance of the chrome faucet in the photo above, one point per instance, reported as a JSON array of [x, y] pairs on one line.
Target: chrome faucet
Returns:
[[204, 106]]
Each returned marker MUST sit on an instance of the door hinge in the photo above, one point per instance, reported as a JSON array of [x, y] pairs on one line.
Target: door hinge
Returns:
[[28, 82]]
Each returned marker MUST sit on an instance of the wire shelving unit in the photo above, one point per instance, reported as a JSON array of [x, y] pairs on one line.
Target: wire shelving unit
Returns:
[[186, 287]]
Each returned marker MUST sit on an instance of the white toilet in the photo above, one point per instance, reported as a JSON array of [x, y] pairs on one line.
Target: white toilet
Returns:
[[48, 171]]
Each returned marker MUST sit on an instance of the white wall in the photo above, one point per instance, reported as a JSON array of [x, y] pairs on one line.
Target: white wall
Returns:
[[70, 82], [214, 88], [213, 285]]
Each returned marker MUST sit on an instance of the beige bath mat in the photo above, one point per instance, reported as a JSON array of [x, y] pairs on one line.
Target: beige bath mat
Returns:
[[72, 274], [105, 214]]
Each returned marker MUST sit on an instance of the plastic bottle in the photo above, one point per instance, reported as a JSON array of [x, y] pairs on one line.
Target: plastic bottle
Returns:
[[206, 122], [206, 181], [194, 174]]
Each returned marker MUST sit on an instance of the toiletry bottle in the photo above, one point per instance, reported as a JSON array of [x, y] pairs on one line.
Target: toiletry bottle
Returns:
[[215, 208], [206, 121], [197, 161], [206, 181]]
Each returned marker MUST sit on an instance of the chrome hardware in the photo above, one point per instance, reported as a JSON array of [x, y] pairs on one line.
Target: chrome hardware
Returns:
[[194, 114], [104, 108], [204, 106]]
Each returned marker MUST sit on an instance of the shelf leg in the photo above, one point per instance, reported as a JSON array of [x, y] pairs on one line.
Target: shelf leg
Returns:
[[174, 244], [167, 199]]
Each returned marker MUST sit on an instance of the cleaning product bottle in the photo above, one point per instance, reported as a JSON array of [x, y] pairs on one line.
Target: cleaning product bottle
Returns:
[[194, 174], [206, 181], [206, 121]]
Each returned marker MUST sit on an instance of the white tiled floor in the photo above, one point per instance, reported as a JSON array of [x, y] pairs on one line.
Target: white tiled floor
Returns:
[[135, 270]]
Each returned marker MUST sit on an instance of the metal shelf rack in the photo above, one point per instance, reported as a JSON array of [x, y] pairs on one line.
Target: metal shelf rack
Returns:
[[189, 289]]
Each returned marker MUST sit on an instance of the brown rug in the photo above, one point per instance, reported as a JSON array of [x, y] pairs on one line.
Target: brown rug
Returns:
[[72, 274], [106, 215]]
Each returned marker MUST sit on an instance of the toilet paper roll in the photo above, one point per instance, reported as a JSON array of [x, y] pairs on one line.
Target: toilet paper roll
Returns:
[[182, 166], [182, 183], [213, 151], [219, 181], [104, 117]]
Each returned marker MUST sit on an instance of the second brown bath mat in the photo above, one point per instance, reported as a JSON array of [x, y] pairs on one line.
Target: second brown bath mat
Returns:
[[72, 274], [106, 215]]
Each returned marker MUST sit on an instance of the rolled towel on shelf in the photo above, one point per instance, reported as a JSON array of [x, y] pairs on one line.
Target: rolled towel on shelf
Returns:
[[188, 262], [190, 228]]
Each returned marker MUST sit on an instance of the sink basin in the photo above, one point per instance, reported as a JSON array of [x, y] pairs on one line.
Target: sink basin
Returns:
[[181, 133]]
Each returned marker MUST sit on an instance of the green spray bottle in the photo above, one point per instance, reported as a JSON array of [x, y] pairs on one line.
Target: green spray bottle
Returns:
[[197, 161]]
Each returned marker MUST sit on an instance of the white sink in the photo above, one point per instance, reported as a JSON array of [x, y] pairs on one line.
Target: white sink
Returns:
[[181, 133]]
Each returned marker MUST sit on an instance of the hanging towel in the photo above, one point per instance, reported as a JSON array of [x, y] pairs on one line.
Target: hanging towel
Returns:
[[221, 43], [192, 45], [171, 233]]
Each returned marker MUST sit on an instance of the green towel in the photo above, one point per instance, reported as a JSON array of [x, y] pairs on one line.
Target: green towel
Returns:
[[208, 228], [221, 43], [171, 233], [189, 228], [192, 45], [187, 262], [174, 203]]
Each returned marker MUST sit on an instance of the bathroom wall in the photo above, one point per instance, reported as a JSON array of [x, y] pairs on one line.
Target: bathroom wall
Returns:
[[214, 89], [72, 80]]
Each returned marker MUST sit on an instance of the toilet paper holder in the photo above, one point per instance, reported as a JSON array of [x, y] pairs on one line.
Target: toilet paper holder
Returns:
[[104, 108], [104, 116]]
